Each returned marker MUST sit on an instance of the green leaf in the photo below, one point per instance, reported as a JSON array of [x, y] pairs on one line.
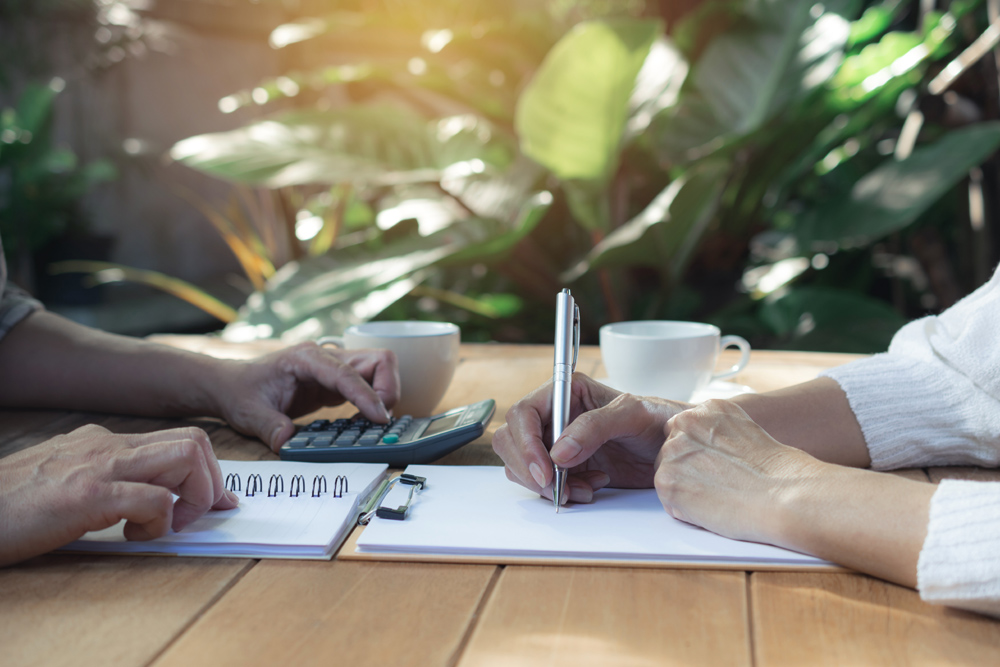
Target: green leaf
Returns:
[[875, 57], [34, 108], [657, 86], [532, 210], [872, 23], [825, 319], [365, 145], [571, 116], [666, 232], [750, 73], [894, 194], [325, 295]]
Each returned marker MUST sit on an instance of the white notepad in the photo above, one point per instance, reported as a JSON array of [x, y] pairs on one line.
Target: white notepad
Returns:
[[477, 511], [283, 525]]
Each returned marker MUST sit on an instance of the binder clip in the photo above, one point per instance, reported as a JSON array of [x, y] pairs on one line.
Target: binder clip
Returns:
[[415, 483]]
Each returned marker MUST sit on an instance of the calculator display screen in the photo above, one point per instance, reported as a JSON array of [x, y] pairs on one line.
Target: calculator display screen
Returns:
[[441, 425]]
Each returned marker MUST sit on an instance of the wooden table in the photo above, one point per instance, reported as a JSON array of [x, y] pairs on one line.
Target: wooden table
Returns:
[[110, 610]]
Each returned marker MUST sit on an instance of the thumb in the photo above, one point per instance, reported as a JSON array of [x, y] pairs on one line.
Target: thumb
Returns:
[[274, 428]]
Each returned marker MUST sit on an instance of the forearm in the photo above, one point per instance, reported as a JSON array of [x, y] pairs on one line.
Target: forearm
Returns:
[[871, 522], [47, 361], [815, 417]]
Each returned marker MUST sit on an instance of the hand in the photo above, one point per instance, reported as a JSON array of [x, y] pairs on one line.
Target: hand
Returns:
[[91, 479], [260, 397], [612, 439], [719, 470]]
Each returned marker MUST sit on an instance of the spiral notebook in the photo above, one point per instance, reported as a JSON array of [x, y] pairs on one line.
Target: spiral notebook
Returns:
[[475, 514], [287, 510]]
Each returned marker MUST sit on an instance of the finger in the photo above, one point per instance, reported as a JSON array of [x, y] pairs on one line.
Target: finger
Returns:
[[200, 437], [178, 466], [147, 509], [272, 426], [519, 442], [381, 369], [623, 417], [580, 486], [336, 376]]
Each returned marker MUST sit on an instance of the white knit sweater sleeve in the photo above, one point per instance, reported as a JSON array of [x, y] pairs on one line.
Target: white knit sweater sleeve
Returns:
[[934, 399]]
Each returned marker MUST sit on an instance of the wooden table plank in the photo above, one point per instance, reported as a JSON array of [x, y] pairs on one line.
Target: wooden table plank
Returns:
[[321, 613], [612, 616], [104, 610], [853, 619]]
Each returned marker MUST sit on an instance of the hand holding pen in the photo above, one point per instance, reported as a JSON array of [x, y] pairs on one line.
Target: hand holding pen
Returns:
[[567, 349]]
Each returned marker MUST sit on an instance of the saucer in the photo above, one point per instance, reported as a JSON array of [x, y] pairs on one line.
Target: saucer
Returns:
[[715, 389]]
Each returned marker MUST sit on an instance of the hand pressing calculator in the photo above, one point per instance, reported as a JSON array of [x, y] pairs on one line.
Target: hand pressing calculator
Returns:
[[402, 441]]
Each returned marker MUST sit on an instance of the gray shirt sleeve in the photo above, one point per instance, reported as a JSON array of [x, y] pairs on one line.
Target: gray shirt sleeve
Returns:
[[15, 303]]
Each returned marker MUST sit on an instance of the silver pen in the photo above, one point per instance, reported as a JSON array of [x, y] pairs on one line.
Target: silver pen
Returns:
[[567, 348]]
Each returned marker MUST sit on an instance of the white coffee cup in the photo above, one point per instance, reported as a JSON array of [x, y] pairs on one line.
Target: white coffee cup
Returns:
[[427, 353], [666, 358]]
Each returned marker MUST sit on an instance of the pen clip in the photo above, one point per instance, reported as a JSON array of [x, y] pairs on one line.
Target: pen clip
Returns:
[[576, 334]]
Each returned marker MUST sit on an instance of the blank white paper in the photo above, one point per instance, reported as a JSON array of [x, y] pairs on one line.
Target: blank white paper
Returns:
[[476, 510]]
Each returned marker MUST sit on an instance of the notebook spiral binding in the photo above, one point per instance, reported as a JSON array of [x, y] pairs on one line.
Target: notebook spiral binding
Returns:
[[276, 485]]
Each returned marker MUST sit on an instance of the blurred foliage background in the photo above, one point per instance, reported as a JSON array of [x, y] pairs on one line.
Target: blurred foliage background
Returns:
[[809, 176]]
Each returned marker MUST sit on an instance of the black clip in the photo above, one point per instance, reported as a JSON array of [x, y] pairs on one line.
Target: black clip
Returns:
[[416, 484]]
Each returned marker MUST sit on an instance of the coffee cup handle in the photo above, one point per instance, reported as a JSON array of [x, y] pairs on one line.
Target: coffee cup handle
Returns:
[[336, 341], [734, 341]]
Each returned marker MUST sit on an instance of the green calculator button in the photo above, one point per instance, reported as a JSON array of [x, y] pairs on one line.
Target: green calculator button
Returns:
[[390, 438]]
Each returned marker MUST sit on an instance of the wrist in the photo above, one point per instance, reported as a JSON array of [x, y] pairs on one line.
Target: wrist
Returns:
[[794, 498], [200, 387]]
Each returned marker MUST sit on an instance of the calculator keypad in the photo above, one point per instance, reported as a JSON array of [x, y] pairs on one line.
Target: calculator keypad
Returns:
[[360, 432]]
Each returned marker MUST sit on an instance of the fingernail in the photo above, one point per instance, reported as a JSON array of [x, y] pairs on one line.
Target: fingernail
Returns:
[[565, 450], [536, 474], [233, 498], [275, 434], [602, 481]]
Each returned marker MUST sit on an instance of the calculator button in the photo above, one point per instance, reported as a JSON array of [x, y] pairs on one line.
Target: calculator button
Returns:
[[343, 440], [369, 439], [390, 438], [298, 443], [322, 441]]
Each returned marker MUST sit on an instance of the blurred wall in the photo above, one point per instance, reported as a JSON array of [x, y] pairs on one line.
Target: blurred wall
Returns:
[[165, 87]]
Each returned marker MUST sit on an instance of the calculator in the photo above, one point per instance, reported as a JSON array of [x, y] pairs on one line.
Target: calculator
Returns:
[[404, 440]]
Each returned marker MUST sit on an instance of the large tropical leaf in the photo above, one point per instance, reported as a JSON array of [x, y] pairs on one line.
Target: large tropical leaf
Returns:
[[767, 61], [752, 72], [572, 115], [894, 194], [324, 295], [665, 233], [363, 145]]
